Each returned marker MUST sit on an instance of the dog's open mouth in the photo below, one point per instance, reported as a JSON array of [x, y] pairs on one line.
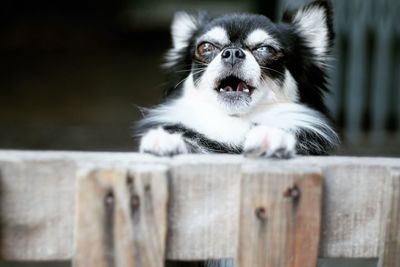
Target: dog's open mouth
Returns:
[[234, 84]]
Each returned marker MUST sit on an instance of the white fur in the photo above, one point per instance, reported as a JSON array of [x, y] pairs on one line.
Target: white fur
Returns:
[[313, 26], [290, 88], [249, 71], [272, 106], [273, 92], [216, 35], [181, 33], [261, 37], [294, 117], [197, 110], [160, 142], [271, 142], [268, 91], [170, 58], [182, 28]]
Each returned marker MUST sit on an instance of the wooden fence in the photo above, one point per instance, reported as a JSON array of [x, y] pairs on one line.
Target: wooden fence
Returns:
[[126, 209]]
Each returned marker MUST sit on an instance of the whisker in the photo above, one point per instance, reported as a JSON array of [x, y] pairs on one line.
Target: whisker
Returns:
[[194, 73], [181, 81], [266, 68], [188, 70], [199, 62], [197, 72]]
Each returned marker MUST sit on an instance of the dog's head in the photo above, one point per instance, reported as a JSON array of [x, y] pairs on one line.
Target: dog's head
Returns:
[[241, 61]]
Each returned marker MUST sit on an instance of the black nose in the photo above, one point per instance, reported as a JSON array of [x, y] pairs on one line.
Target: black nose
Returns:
[[233, 56]]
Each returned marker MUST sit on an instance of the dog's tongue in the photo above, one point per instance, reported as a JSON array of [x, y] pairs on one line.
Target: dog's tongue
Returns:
[[239, 87]]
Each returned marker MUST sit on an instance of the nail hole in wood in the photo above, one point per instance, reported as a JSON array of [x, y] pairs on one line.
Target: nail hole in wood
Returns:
[[261, 213], [109, 198], [293, 193], [129, 180], [147, 188], [135, 201]]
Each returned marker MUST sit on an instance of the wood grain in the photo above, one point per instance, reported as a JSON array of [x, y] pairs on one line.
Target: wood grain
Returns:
[[37, 201], [353, 211], [203, 210], [390, 235], [36, 209], [121, 218], [280, 218]]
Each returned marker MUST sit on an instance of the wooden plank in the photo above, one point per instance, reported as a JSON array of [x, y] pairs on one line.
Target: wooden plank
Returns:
[[37, 208], [352, 211], [203, 209], [37, 201], [390, 235], [280, 218], [121, 218]]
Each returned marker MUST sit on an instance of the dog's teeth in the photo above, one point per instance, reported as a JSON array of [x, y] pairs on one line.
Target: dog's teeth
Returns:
[[246, 90]]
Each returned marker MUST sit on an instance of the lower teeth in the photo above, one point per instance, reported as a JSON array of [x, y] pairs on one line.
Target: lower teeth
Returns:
[[246, 90]]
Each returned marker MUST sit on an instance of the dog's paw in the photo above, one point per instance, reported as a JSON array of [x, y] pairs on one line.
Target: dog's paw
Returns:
[[269, 142], [162, 143]]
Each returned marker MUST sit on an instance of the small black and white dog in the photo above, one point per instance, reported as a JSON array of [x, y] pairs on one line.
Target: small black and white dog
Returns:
[[243, 84]]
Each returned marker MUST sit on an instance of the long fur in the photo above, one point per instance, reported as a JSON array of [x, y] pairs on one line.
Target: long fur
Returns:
[[297, 83], [283, 115]]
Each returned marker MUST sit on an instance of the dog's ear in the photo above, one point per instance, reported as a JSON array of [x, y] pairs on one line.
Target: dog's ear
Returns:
[[183, 27], [315, 24]]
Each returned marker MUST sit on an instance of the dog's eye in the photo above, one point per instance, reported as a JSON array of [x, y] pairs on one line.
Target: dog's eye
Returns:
[[206, 48], [262, 49], [265, 49]]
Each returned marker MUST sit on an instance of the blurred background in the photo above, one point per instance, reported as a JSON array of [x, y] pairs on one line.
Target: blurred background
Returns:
[[73, 72]]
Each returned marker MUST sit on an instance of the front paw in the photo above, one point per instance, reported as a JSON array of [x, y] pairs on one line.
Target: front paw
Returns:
[[269, 142], [162, 143]]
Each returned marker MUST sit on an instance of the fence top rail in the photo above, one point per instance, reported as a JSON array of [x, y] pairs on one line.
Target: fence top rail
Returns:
[[37, 192], [82, 158]]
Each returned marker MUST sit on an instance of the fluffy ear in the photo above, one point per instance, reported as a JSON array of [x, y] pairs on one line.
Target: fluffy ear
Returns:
[[183, 27], [314, 23]]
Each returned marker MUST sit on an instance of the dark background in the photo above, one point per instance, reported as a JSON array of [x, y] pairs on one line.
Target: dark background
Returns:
[[73, 72]]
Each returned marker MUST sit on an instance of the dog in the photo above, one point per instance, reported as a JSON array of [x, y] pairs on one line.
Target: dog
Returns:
[[242, 84]]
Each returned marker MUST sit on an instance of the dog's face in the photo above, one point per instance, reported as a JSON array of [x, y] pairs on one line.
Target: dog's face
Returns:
[[241, 61]]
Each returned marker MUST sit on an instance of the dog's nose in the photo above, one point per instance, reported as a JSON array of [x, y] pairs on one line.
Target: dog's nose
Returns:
[[233, 56]]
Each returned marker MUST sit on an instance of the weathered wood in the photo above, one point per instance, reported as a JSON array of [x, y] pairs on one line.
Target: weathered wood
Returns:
[[37, 208], [121, 218], [390, 236], [37, 196], [352, 211], [280, 217], [203, 210]]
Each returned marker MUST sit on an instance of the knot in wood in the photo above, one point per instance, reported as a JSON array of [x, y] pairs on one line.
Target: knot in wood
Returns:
[[129, 180], [135, 201], [147, 188], [261, 213], [109, 198], [292, 192]]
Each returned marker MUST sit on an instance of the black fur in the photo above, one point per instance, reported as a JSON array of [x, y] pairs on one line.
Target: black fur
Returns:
[[295, 55]]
